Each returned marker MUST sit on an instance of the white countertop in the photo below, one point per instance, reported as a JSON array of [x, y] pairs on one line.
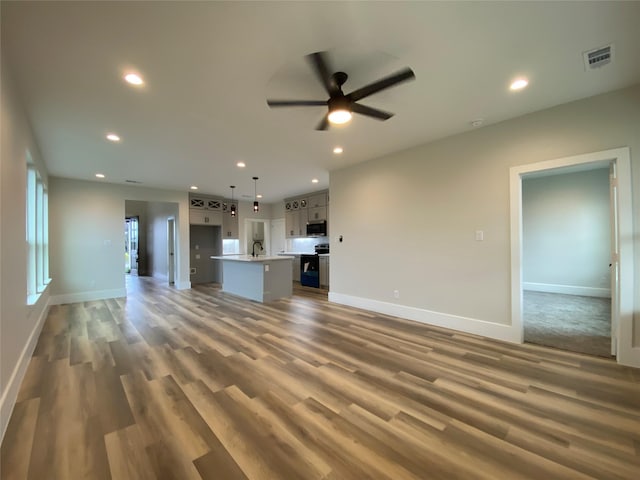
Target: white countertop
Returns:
[[249, 258]]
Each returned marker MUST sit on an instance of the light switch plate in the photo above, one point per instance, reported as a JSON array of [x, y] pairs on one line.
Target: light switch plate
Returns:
[[479, 235]]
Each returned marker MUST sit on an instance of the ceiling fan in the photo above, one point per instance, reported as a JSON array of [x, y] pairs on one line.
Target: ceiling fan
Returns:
[[341, 106]]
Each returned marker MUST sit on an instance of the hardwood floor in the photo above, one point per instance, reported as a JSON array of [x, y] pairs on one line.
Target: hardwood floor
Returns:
[[193, 384]]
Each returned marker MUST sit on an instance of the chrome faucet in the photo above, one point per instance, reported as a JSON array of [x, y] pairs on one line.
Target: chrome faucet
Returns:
[[253, 248]]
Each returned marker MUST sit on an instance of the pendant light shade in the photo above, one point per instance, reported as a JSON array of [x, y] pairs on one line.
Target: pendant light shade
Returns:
[[233, 204], [256, 206]]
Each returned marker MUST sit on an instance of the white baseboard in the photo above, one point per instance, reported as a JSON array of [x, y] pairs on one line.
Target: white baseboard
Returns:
[[464, 324], [567, 289], [88, 296], [10, 393]]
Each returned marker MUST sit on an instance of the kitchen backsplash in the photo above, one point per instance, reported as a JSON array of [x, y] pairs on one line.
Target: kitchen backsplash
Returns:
[[304, 245]]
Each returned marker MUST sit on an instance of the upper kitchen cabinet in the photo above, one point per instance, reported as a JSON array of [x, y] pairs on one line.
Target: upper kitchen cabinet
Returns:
[[317, 207], [317, 200], [296, 223], [295, 204], [205, 210], [204, 217], [301, 210], [201, 202], [230, 227], [317, 213]]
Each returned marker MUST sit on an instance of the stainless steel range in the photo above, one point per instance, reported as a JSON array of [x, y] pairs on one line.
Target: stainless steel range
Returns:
[[310, 266]]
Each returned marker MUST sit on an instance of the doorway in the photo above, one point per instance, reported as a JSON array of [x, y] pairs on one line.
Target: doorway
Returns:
[[257, 236], [621, 244], [171, 249], [131, 237], [566, 223], [278, 235]]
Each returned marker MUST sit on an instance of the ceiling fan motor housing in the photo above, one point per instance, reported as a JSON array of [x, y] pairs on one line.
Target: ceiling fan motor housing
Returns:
[[339, 78], [339, 103]]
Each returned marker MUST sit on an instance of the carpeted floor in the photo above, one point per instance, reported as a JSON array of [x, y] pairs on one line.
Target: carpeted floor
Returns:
[[570, 322]]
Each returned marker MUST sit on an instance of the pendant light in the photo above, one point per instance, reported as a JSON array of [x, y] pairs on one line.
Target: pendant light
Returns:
[[256, 207], [233, 205]]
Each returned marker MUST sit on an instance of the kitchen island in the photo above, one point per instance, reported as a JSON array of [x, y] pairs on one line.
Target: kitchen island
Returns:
[[261, 278]]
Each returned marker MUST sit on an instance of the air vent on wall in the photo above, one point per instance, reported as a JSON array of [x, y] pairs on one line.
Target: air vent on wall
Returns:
[[132, 181], [598, 57]]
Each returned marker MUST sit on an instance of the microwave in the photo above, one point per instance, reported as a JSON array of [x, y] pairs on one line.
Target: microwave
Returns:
[[317, 229]]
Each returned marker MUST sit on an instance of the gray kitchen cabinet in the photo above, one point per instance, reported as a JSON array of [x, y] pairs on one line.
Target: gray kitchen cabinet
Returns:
[[205, 203], [295, 268], [317, 200], [204, 217], [324, 271], [317, 213], [298, 211], [295, 222], [230, 225], [291, 223]]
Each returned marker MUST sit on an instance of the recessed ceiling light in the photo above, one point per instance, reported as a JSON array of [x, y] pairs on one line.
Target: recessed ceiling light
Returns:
[[133, 79], [259, 196], [519, 84], [338, 150], [241, 164], [315, 180], [100, 175], [112, 137], [193, 187]]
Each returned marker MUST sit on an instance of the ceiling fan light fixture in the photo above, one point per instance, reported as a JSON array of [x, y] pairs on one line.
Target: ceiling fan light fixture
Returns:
[[340, 116]]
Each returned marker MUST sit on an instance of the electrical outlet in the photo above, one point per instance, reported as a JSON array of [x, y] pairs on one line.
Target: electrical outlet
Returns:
[[396, 294]]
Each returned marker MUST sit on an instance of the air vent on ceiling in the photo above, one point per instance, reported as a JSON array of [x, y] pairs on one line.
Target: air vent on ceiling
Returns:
[[132, 181], [598, 57]]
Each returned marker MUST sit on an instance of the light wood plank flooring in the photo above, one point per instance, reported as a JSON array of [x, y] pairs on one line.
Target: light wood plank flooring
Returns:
[[169, 384]]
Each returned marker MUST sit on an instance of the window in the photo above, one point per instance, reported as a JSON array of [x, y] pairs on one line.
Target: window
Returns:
[[37, 233]]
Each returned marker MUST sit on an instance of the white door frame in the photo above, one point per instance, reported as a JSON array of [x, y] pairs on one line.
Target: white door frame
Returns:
[[627, 354]]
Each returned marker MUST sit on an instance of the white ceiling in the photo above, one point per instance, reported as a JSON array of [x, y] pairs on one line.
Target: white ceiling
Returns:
[[210, 66]]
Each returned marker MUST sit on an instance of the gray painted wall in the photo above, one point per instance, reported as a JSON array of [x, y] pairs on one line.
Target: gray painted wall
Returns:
[[449, 189], [86, 236], [19, 322], [157, 236], [566, 232]]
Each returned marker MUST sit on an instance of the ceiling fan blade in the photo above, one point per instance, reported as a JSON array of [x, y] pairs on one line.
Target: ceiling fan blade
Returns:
[[390, 81], [321, 67], [324, 123], [371, 112], [297, 103]]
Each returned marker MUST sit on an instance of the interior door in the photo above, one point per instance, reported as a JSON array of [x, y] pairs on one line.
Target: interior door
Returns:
[[615, 258], [277, 236]]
